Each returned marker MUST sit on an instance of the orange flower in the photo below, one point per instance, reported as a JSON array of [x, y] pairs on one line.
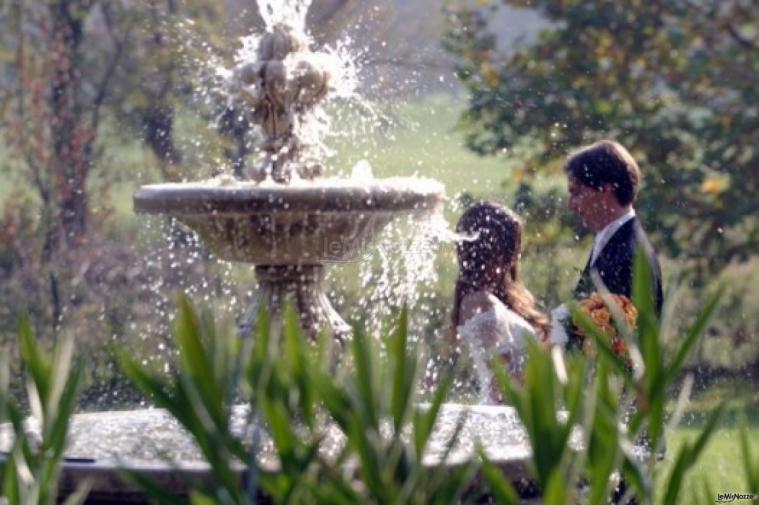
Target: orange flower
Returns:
[[600, 317], [595, 308], [714, 185]]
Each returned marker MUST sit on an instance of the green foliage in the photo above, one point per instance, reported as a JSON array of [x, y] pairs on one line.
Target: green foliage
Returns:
[[74, 71], [200, 398], [687, 456], [295, 395], [31, 469], [674, 81], [583, 419], [173, 48], [537, 402], [571, 409], [750, 465], [598, 399]]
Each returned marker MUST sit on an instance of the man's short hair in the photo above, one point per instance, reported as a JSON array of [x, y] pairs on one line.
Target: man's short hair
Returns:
[[606, 162]]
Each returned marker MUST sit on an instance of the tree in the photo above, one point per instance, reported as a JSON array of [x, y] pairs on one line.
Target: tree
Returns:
[[170, 43], [68, 64], [65, 67], [51, 117], [673, 80]]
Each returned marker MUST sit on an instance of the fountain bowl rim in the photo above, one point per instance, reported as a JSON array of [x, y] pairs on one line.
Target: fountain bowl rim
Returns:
[[320, 196]]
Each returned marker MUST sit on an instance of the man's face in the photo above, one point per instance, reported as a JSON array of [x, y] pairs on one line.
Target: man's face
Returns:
[[586, 202]]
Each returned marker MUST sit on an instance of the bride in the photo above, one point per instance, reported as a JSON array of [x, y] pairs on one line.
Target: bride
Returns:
[[493, 313]]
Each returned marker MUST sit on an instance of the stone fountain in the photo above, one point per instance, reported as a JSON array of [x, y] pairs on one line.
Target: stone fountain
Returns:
[[288, 219]]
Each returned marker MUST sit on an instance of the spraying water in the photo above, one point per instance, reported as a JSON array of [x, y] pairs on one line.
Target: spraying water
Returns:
[[282, 212]]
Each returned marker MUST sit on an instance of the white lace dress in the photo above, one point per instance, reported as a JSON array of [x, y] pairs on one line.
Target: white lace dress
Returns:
[[496, 331]]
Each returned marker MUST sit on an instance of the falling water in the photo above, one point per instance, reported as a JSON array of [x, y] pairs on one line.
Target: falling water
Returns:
[[395, 271], [292, 12]]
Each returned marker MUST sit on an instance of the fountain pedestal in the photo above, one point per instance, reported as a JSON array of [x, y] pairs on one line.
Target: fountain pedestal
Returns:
[[303, 287]]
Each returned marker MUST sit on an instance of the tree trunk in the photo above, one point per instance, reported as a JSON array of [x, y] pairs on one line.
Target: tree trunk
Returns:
[[72, 138]]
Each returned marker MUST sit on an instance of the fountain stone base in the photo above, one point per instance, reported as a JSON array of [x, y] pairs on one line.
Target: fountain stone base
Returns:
[[150, 442]]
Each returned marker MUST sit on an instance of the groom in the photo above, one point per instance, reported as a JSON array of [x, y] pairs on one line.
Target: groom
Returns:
[[603, 180]]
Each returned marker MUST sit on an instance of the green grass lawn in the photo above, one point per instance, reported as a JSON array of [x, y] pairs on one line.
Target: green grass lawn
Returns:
[[721, 463], [420, 138]]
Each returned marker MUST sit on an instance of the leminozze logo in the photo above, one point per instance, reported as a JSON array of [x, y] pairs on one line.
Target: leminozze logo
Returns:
[[731, 497]]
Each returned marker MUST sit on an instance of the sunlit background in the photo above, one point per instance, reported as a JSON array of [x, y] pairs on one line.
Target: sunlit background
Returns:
[[99, 97]]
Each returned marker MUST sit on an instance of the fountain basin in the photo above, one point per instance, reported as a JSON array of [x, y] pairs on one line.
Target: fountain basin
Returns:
[[308, 223], [152, 443]]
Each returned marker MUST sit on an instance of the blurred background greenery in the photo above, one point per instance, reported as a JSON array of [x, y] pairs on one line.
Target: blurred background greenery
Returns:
[[99, 97]]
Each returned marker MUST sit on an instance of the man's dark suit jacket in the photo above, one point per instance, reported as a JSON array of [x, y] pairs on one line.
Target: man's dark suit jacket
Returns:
[[615, 263]]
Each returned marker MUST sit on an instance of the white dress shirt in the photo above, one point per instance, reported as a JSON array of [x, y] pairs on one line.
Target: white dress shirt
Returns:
[[603, 236]]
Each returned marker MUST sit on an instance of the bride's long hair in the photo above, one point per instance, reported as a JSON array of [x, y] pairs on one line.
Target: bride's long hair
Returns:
[[488, 253]]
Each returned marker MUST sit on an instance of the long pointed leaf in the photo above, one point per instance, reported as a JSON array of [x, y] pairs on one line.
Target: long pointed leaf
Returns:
[[402, 383], [643, 291], [367, 457], [694, 333], [557, 490], [500, 489], [59, 375], [367, 393], [195, 360], [11, 487], [750, 466], [56, 438], [687, 457], [425, 421], [79, 496], [38, 367]]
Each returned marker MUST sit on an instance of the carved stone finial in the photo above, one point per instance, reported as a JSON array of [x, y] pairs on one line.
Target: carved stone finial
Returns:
[[282, 86], [279, 42]]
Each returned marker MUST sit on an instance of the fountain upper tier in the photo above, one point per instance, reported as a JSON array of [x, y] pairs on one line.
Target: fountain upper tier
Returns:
[[313, 222]]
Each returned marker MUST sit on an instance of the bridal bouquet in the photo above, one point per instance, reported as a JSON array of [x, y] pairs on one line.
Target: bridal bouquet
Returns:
[[594, 306]]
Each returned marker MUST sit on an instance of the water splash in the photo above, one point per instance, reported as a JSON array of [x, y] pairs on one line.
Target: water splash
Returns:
[[400, 269], [292, 12]]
